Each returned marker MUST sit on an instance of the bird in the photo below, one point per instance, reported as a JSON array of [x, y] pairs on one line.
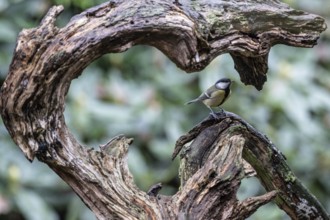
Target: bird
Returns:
[[215, 96]]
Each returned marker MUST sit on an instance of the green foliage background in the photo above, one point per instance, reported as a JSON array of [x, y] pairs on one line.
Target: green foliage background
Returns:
[[141, 93]]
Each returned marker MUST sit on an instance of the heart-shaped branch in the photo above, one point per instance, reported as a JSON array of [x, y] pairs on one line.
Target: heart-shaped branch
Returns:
[[191, 33]]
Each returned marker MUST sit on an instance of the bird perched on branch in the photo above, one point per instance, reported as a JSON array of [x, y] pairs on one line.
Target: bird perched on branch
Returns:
[[215, 96]]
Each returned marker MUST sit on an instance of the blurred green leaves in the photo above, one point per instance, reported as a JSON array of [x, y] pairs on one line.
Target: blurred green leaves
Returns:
[[33, 206], [141, 94]]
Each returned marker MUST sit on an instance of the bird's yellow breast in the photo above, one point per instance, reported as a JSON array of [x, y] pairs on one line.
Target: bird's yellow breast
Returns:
[[216, 99]]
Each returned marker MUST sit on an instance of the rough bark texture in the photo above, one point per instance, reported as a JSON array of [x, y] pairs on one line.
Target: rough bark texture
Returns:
[[268, 162], [191, 34]]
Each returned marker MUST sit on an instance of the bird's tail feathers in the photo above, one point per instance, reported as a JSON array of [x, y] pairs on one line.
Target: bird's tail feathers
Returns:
[[192, 101]]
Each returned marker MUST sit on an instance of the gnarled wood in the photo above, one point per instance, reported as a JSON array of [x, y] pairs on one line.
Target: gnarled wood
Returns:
[[268, 162], [191, 34]]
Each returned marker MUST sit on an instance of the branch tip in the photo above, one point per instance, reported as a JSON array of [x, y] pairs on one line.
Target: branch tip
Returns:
[[51, 15], [248, 206]]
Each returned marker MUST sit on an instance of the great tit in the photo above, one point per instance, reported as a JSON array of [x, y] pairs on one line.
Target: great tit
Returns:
[[215, 96]]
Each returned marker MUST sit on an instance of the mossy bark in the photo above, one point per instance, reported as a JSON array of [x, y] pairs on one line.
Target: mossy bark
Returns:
[[191, 33]]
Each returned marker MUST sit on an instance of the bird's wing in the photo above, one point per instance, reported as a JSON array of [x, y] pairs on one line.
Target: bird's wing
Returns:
[[201, 98], [217, 98], [210, 93]]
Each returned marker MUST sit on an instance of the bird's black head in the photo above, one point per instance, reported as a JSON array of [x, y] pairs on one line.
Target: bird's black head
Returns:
[[223, 83]]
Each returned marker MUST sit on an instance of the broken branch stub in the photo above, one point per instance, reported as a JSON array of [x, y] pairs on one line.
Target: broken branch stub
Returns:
[[191, 33]]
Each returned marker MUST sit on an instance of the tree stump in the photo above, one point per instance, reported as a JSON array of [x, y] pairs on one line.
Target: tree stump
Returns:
[[191, 34]]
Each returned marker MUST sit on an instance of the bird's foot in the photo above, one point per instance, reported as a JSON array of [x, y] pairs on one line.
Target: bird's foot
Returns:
[[221, 112], [217, 115], [214, 115]]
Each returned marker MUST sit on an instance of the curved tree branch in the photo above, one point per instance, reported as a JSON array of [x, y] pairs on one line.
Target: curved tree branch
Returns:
[[191, 34], [268, 162]]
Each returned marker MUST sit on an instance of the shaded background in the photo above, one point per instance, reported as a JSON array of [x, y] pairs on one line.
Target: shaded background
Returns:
[[141, 93]]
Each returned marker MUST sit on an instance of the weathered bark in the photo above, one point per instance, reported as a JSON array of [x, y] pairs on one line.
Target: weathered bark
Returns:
[[268, 162], [191, 34]]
